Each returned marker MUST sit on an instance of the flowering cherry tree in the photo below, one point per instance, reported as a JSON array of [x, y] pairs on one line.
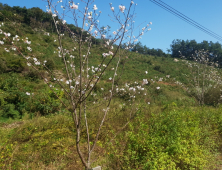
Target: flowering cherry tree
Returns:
[[81, 84], [81, 78], [205, 76]]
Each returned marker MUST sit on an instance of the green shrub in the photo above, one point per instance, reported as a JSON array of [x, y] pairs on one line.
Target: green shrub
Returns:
[[50, 64], [159, 68], [8, 111], [169, 140], [48, 39], [3, 67], [16, 65], [32, 75], [213, 96]]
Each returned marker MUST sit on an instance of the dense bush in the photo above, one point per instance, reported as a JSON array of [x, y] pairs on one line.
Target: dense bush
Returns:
[[32, 74], [213, 96], [168, 140], [16, 65], [3, 66], [50, 64], [9, 111]]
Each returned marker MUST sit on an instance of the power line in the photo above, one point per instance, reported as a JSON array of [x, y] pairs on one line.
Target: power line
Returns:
[[186, 19], [191, 20]]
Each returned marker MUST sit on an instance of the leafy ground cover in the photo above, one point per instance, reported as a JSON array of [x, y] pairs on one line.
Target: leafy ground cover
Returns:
[[176, 138]]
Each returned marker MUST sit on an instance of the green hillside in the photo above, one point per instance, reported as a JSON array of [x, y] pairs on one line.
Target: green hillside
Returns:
[[172, 122]]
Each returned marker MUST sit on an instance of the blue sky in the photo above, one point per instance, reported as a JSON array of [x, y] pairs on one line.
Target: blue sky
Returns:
[[166, 27]]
